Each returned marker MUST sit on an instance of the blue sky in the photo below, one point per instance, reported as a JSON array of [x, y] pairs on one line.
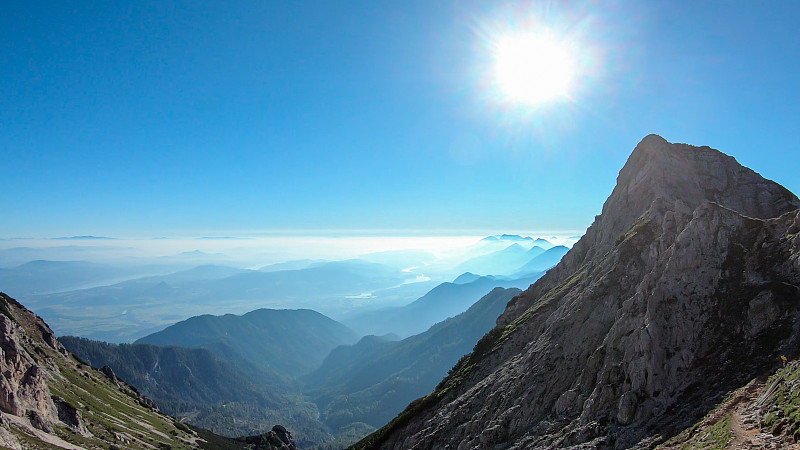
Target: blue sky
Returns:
[[160, 118]]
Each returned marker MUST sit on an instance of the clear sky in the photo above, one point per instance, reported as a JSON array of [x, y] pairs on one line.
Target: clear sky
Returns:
[[154, 118]]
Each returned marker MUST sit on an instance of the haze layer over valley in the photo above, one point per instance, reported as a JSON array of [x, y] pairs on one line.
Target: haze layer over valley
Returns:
[[120, 290], [406, 225], [405, 317]]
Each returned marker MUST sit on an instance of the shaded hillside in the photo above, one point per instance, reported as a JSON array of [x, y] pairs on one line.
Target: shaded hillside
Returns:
[[444, 301], [375, 379], [174, 375], [231, 398], [686, 286], [290, 342], [51, 400]]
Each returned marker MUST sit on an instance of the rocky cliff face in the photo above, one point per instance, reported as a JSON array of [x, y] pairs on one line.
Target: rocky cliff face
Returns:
[[683, 289], [49, 399], [27, 369], [279, 438]]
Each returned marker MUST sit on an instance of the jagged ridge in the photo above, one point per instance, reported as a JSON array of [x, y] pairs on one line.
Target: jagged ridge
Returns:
[[685, 287]]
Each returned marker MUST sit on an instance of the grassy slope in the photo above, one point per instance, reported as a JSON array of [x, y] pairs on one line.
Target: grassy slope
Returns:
[[114, 415]]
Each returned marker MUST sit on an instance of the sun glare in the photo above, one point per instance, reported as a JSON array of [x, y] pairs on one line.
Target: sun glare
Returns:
[[533, 68]]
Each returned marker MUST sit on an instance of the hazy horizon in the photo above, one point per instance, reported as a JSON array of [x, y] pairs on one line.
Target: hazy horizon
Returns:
[[242, 251]]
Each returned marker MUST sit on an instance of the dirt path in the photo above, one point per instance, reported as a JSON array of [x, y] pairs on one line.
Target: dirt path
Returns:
[[743, 437], [745, 423]]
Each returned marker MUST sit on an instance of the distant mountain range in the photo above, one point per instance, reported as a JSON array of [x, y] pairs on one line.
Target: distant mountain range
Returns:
[[443, 301], [542, 261], [231, 374], [501, 262], [123, 302], [375, 379], [285, 342], [515, 261], [512, 238], [128, 310], [42, 277]]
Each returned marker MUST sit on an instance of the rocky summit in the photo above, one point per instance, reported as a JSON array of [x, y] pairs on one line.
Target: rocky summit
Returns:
[[684, 289]]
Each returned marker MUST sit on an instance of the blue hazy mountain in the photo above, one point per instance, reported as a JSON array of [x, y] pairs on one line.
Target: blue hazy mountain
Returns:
[[291, 265], [526, 241], [544, 243], [195, 274], [466, 277], [40, 276], [375, 379], [347, 277], [288, 342], [83, 238], [443, 301], [542, 262], [534, 252], [507, 237], [501, 262], [218, 386]]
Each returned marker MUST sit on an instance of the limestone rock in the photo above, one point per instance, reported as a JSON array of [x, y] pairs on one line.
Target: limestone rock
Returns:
[[279, 438], [109, 373], [23, 385], [70, 415], [686, 285]]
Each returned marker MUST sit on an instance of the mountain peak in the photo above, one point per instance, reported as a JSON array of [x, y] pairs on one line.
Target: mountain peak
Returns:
[[683, 177], [685, 287], [682, 172], [654, 141]]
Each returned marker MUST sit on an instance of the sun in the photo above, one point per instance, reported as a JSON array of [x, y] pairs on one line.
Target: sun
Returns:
[[533, 68]]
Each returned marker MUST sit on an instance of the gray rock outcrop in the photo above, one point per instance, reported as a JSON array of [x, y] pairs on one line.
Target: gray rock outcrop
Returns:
[[279, 438], [23, 386], [26, 371], [687, 285]]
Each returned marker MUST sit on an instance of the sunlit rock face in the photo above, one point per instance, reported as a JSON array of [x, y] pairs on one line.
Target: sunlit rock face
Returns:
[[27, 370], [685, 287], [23, 384]]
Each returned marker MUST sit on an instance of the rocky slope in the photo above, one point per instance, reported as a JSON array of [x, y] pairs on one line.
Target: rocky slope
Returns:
[[50, 400], [683, 289]]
